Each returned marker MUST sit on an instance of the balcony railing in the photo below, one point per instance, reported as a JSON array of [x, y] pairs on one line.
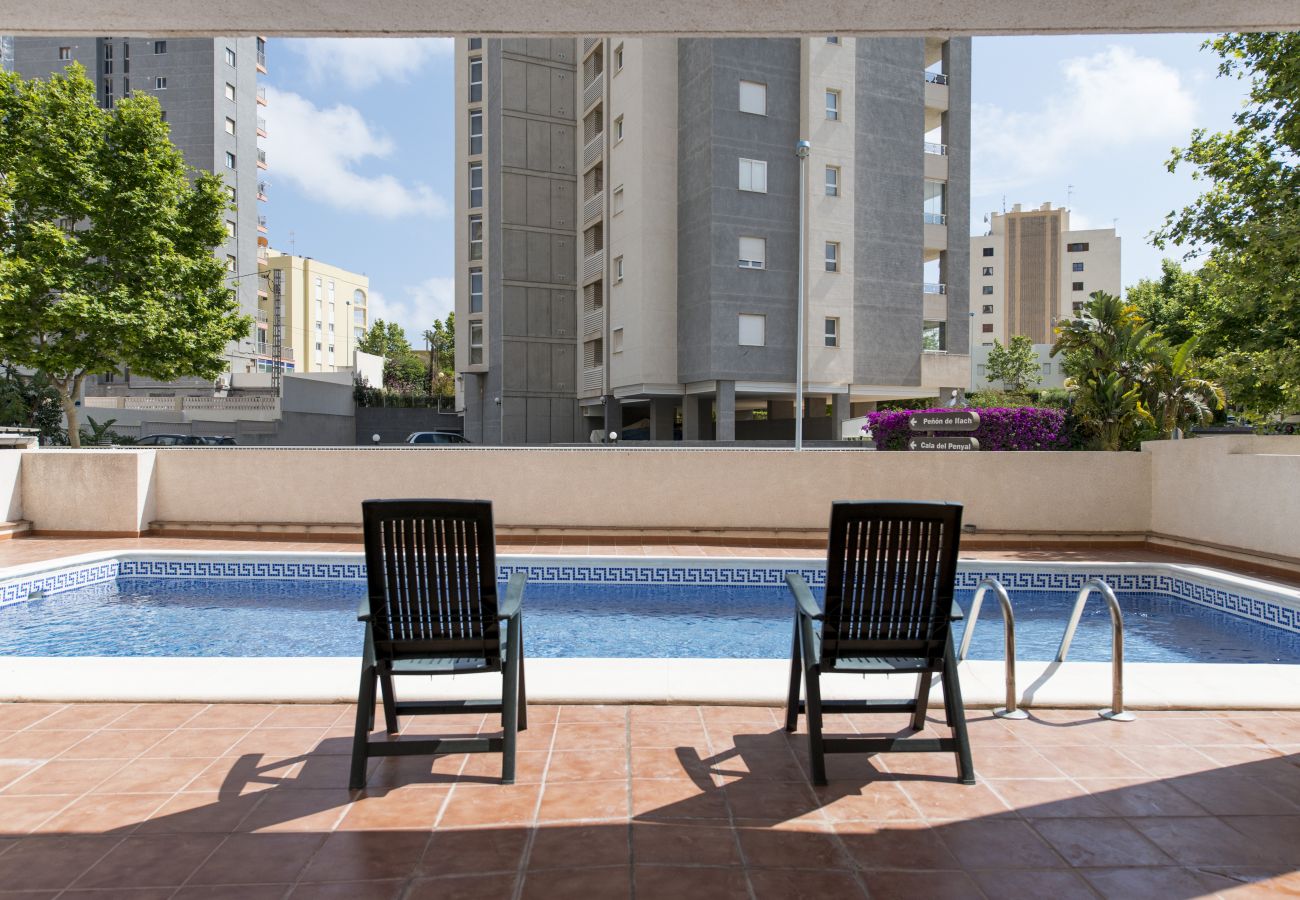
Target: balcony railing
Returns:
[[936, 78], [934, 288], [936, 149], [591, 152], [588, 43], [935, 219], [261, 126], [593, 265], [264, 349], [261, 158], [261, 189], [262, 254], [593, 206], [261, 59], [593, 378], [261, 223], [592, 92], [261, 94], [593, 321]]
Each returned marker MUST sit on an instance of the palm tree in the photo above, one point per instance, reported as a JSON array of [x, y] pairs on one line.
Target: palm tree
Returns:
[[1176, 396]]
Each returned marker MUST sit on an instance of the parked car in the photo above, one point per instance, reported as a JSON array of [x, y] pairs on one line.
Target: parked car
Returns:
[[169, 440], [435, 437], [221, 440]]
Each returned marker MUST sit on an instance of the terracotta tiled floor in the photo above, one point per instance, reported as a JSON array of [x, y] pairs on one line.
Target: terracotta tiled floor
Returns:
[[158, 801]]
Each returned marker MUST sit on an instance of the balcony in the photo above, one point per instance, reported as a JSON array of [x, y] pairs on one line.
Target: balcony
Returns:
[[934, 288], [261, 61], [261, 126], [261, 224], [265, 349], [261, 190], [936, 149], [932, 218], [593, 321], [588, 44], [592, 151], [593, 379], [261, 95], [593, 91], [592, 207], [936, 90], [936, 78], [936, 161], [593, 266], [261, 158]]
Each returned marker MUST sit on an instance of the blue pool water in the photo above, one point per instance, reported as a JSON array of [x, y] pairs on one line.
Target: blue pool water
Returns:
[[263, 617]]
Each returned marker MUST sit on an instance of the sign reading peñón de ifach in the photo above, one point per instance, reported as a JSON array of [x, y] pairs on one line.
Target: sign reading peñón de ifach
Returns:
[[948, 420]]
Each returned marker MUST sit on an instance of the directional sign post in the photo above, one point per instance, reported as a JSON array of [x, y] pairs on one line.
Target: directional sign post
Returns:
[[956, 420]]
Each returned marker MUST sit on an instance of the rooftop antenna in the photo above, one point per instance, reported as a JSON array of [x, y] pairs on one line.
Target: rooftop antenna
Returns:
[[1004, 204], [1069, 196], [1114, 224], [292, 244]]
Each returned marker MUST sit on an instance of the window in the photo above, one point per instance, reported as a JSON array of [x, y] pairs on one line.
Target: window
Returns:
[[476, 80], [618, 269], [359, 297], [475, 237], [988, 270], [935, 207], [988, 251], [475, 184], [934, 336], [108, 92], [753, 330], [753, 253], [230, 125], [832, 332], [230, 91], [987, 328], [1077, 306], [1076, 248], [618, 59], [126, 86], [160, 83], [108, 67], [108, 51], [1076, 267], [1076, 286], [593, 354], [617, 342], [230, 160], [230, 228], [987, 289], [832, 181], [316, 293], [231, 263], [753, 175], [753, 98], [618, 200], [330, 290], [159, 47], [833, 40], [1047, 368], [618, 129], [476, 43], [475, 133], [988, 309], [230, 56], [833, 105], [65, 53], [832, 256], [476, 290]]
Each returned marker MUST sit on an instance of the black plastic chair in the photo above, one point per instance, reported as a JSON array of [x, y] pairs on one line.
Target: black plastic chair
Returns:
[[432, 609], [890, 573]]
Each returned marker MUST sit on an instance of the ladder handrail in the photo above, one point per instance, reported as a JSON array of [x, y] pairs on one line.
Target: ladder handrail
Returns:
[[1116, 710], [1009, 630]]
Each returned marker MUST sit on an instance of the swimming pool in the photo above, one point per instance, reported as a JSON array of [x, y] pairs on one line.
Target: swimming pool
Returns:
[[271, 605]]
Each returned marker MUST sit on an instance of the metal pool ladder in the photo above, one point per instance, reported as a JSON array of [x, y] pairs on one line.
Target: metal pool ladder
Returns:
[[1011, 710], [1116, 712]]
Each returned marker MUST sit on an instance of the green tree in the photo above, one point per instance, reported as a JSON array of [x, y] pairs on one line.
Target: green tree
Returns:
[[1247, 224], [105, 242], [441, 339], [1176, 304], [31, 402], [1015, 364], [403, 370], [1172, 391]]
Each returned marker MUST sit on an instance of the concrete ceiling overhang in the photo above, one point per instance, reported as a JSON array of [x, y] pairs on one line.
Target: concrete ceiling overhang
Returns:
[[664, 17]]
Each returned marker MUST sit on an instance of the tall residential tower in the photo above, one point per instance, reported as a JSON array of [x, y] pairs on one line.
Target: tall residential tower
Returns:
[[628, 221]]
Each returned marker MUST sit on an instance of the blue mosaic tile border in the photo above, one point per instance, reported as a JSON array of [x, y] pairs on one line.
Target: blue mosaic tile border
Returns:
[[1264, 610]]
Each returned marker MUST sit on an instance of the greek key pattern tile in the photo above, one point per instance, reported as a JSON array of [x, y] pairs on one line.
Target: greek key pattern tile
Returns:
[[22, 589]]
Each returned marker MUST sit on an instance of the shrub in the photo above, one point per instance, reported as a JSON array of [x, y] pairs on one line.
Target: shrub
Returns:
[[1001, 428]]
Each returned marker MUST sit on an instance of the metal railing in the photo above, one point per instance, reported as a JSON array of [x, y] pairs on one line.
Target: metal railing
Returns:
[[592, 92], [588, 43], [1116, 711], [593, 322], [261, 124], [935, 218], [593, 265], [936, 78], [261, 94], [261, 58], [591, 152], [261, 157], [936, 149], [934, 288], [261, 222], [1011, 710], [593, 206]]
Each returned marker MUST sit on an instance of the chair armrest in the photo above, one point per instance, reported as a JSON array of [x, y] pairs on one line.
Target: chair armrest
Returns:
[[803, 597], [363, 610], [957, 614], [509, 608]]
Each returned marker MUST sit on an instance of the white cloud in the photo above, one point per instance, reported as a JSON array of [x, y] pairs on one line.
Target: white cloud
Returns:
[[319, 150], [1103, 103], [360, 63], [417, 308]]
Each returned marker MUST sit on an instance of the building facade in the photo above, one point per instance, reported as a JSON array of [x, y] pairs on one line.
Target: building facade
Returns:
[[322, 315], [628, 217], [1029, 272], [211, 102]]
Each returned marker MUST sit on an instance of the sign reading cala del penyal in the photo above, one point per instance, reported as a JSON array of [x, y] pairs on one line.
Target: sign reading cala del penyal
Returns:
[[954, 420]]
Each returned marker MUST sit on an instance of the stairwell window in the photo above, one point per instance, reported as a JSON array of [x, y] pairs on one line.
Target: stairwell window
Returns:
[[832, 256], [475, 133], [753, 98], [65, 53], [618, 59], [753, 253], [753, 330], [475, 185], [159, 47], [618, 129], [230, 160], [230, 56], [1076, 286], [160, 83], [987, 309], [618, 269], [476, 81], [230, 125], [476, 343], [832, 181], [1076, 267], [988, 270], [988, 251], [476, 290], [986, 289], [475, 237], [833, 105], [832, 332], [753, 175], [1076, 248]]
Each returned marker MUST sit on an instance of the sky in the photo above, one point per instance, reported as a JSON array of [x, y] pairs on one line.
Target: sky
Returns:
[[362, 167]]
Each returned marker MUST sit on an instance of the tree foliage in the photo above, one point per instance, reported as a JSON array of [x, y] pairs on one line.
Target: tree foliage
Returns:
[[1246, 224], [1015, 364], [403, 370], [105, 242], [441, 339]]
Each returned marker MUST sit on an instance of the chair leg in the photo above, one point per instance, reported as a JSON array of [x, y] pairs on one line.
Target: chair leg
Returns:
[[390, 702], [374, 680], [523, 693], [924, 682], [361, 737], [956, 711], [510, 708], [796, 665], [816, 753]]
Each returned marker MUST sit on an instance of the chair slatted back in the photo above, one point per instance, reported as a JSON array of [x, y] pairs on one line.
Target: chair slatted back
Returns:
[[431, 576], [890, 574]]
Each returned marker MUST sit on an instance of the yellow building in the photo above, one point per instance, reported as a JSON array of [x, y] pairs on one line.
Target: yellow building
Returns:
[[322, 316]]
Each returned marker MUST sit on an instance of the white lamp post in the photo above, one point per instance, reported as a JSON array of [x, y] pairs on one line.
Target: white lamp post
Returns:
[[801, 151]]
